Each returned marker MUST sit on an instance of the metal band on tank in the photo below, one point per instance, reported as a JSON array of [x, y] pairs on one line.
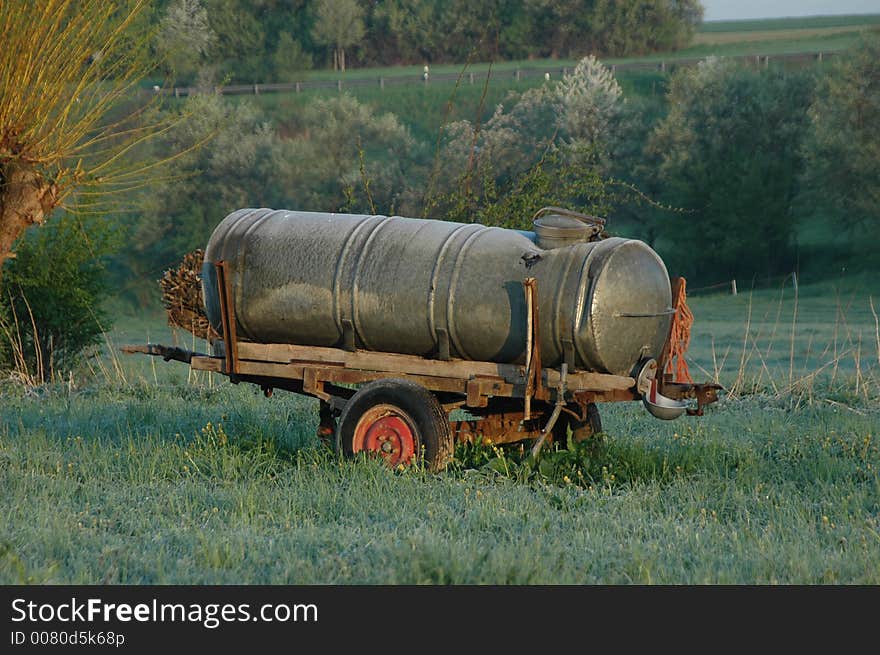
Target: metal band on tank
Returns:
[[432, 291], [356, 277], [557, 329], [221, 237], [584, 290], [337, 271], [603, 253], [215, 251], [226, 225], [238, 289], [453, 283]]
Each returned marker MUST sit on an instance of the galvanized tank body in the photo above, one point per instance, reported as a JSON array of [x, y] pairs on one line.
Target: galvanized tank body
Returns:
[[408, 285]]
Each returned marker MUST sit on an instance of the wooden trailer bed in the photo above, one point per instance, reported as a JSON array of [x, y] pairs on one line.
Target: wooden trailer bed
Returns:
[[410, 395]]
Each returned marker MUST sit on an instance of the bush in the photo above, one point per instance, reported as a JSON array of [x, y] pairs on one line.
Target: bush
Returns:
[[52, 295], [843, 144], [729, 152]]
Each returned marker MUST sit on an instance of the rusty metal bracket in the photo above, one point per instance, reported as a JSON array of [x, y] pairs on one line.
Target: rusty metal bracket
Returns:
[[312, 385], [227, 319], [167, 353], [349, 342], [568, 353], [534, 377], [705, 394], [442, 344], [557, 410]]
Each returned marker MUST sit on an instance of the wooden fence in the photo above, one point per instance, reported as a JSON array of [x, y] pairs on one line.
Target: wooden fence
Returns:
[[801, 59]]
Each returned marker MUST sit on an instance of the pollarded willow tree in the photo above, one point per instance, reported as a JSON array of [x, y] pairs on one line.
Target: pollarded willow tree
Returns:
[[68, 133]]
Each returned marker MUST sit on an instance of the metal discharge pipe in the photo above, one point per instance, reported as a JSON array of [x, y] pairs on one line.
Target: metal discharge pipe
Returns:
[[437, 289]]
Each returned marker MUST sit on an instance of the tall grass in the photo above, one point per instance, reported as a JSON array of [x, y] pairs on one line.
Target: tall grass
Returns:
[[808, 344], [152, 476]]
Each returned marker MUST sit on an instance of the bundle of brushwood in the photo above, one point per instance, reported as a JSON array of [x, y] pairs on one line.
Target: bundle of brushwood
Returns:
[[182, 297]]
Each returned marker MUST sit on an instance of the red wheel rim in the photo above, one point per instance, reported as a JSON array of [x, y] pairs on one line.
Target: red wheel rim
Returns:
[[388, 432]]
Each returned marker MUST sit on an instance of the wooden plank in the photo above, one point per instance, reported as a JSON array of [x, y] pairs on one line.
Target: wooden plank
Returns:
[[214, 364], [588, 381], [477, 392], [374, 361], [411, 365], [349, 376], [284, 352], [271, 370]]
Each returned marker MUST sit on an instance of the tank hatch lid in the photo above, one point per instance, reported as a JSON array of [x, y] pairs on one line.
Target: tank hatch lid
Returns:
[[556, 227]]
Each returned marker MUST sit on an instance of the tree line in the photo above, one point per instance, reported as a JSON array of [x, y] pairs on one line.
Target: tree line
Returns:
[[273, 40], [722, 172]]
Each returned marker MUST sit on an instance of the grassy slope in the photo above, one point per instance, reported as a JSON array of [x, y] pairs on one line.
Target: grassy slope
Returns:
[[125, 481], [770, 36], [793, 23]]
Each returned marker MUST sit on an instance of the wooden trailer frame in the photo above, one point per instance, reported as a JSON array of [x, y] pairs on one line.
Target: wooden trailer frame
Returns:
[[510, 402]]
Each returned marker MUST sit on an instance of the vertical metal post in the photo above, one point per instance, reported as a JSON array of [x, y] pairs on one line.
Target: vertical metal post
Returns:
[[527, 291], [533, 345], [227, 319]]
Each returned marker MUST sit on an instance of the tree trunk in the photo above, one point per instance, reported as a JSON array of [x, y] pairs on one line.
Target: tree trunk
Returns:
[[342, 58], [26, 198], [335, 59]]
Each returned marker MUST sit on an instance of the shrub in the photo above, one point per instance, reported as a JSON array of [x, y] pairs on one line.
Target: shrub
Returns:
[[53, 291]]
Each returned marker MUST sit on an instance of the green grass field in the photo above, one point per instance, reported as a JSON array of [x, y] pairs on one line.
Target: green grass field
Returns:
[[792, 23], [141, 473]]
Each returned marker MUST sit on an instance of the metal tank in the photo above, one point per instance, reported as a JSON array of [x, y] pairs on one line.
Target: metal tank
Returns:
[[437, 289]]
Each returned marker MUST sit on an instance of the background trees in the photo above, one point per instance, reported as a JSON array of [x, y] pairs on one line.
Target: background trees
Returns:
[[184, 38], [729, 153], [843, 143], [339, 24], [272, 40], [548, 146]]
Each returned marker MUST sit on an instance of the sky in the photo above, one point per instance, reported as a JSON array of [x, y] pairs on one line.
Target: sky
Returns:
[[736, 9]]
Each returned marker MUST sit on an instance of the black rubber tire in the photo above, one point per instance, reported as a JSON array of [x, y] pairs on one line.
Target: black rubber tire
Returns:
[[433, 434], [580, 430]]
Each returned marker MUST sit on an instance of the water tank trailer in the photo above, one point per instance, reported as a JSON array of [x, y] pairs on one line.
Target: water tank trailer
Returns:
[[394, 323]]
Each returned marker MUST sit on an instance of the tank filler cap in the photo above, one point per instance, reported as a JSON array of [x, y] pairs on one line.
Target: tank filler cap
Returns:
[[556, 227]]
